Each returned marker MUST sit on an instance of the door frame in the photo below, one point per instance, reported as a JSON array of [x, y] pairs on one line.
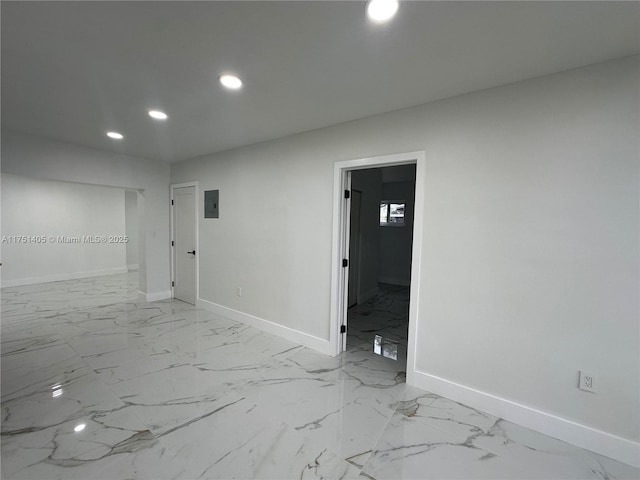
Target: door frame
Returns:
[[340, 246], [197, 235]]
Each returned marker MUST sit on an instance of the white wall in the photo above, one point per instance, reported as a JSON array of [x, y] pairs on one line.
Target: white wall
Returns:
[[36, 157], [131, 227], [531, 257], [49, 210], [396, 242]]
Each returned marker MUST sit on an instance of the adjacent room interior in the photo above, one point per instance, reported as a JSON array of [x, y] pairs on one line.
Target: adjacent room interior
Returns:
[[380, 245], [69, 231]]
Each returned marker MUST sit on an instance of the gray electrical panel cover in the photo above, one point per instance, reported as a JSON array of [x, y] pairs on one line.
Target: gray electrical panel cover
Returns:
[[211, 198]]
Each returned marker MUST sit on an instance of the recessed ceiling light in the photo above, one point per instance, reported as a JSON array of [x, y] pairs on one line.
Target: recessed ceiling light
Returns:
[[158, 115], [231, 81], [79, 428], [115, 135], [382, 10]]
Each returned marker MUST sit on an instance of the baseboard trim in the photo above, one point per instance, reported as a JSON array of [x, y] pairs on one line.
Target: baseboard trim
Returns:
[[296, 336], [402, 282], [59, 277], [153, 296], [604, 443]]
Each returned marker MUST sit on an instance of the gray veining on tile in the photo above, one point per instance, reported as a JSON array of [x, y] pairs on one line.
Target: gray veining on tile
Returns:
[[54, 298], [165, 390]]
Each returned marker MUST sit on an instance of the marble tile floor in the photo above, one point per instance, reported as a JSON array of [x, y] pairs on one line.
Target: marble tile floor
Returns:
[[116, 389], [54, 298], [386, 315]]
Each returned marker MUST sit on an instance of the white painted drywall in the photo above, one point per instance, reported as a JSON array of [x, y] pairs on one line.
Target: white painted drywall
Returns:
[[369, 182], [57, 214], [395, 242], [131, 227], [531, 252], [30, 156]]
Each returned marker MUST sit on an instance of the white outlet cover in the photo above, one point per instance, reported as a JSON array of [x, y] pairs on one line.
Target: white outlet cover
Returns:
[[587, 381]]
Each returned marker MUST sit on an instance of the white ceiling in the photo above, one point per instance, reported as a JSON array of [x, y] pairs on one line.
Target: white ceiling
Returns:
[[73, 70]]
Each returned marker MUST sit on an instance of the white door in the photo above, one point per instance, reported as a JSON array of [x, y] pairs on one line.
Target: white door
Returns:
[[184, 238], [354, 248]]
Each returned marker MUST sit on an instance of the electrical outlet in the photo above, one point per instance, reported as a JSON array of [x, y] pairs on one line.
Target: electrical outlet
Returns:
[[239, 291], [587, 382]]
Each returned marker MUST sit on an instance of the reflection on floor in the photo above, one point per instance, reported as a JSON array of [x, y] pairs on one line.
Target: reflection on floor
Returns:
[[387, 316], [114, 389]]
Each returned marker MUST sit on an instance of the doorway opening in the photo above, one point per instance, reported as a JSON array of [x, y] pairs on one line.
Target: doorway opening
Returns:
[[376, 270], [88, 244], [380, 241]]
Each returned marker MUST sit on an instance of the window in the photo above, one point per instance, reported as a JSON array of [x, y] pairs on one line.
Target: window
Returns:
[[392, 213]]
